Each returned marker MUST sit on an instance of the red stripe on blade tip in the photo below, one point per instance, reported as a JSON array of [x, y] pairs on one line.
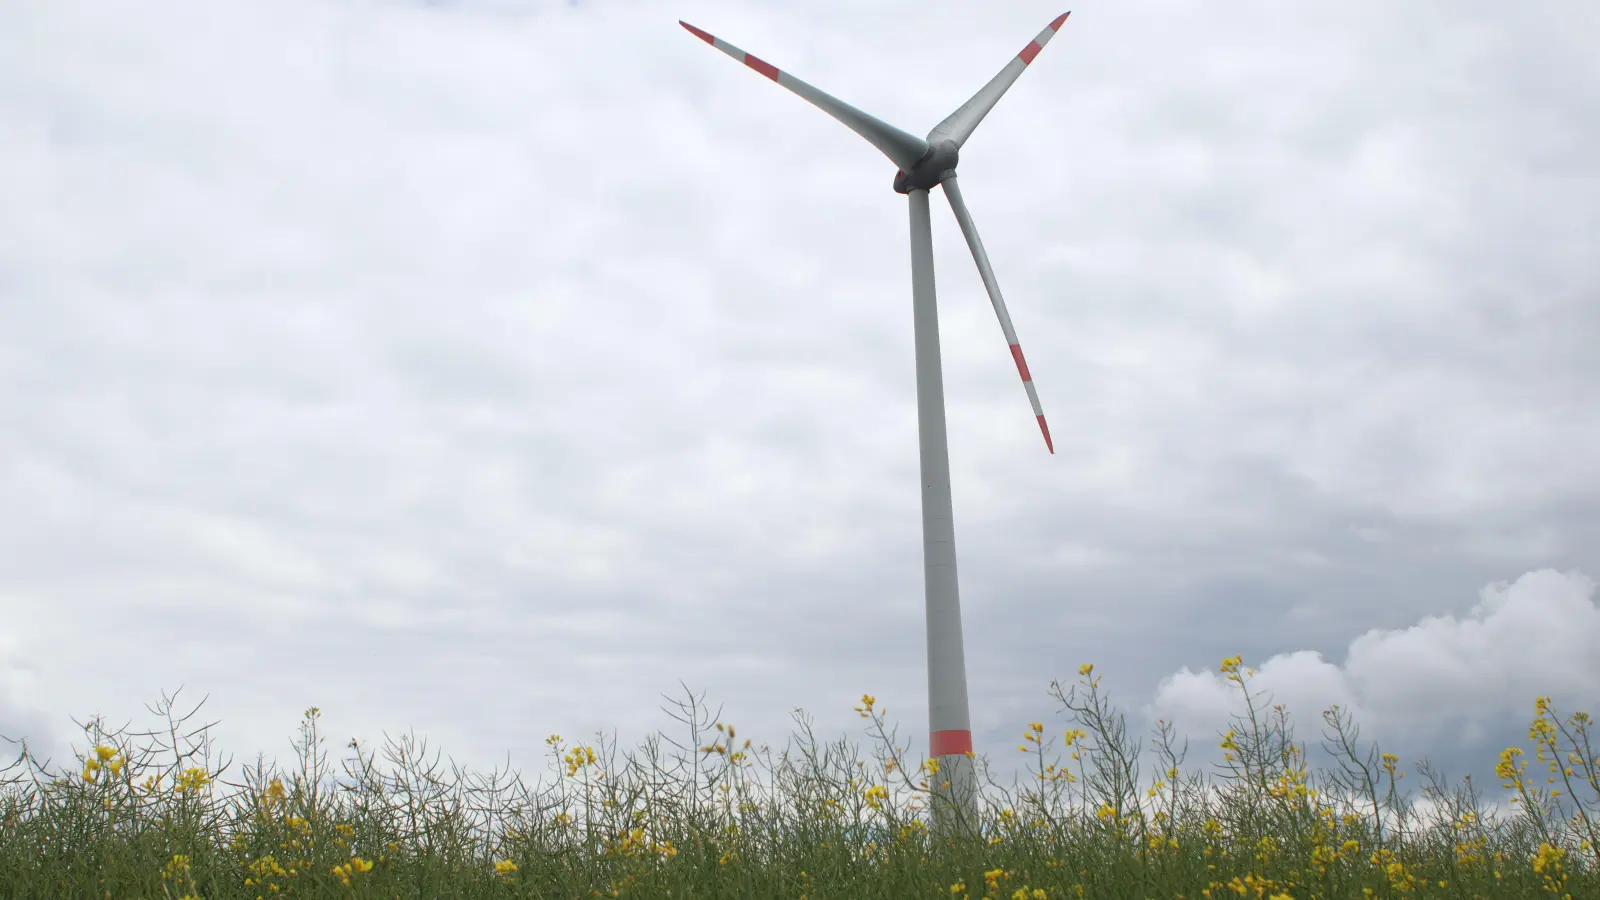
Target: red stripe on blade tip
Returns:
[[1046, 429], [1022, 364], [762, 66], [698, 33], [949, 743], [1033, 48]]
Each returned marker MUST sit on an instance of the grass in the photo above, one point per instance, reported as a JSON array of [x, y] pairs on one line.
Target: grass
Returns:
[[725, 819]]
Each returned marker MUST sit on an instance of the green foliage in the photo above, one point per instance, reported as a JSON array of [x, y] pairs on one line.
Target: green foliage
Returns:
[[162, 821]]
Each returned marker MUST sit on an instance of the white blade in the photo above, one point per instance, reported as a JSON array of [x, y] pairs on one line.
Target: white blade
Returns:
[[903, 149], [970, 232], [959, 125]]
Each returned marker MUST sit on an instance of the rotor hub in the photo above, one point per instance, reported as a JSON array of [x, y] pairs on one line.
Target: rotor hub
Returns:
[[935, 166]]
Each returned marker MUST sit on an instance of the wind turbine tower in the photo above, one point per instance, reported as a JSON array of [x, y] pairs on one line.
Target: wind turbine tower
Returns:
[[921, 164]]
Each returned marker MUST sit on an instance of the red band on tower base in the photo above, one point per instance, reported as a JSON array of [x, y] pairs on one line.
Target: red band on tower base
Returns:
[[949, 743]]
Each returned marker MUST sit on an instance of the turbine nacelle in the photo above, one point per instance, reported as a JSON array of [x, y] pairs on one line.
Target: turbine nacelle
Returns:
[[935, 166]]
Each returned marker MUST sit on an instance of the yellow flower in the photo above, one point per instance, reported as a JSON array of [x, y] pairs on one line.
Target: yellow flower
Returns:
[[875, 796], [865, 709], [192, 780], [1548, 857], [1510, 768], [178, 865], [1086, 669], [504, 867]]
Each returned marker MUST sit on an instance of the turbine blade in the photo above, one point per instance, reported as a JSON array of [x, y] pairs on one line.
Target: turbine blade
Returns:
[[903, 149], [959, 125], [970, 231]]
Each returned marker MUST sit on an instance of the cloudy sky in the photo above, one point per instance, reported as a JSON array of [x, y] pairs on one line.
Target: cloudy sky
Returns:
[[487, 369]]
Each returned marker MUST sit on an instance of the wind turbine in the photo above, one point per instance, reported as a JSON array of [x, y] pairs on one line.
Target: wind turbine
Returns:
[[922, 164]]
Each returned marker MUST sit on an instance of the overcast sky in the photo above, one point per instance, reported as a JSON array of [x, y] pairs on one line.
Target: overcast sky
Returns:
[[488, 369]]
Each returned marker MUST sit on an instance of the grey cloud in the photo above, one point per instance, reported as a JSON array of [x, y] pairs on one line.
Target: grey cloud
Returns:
[[489, 368]]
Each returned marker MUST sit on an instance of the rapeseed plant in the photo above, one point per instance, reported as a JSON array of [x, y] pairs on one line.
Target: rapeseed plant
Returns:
[[734, 820]]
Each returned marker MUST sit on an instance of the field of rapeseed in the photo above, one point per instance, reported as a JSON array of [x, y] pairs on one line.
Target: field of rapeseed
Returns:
[[725, 819]]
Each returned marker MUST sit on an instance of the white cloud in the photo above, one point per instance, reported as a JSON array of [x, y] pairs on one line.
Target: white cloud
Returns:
[[1537, 636]]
